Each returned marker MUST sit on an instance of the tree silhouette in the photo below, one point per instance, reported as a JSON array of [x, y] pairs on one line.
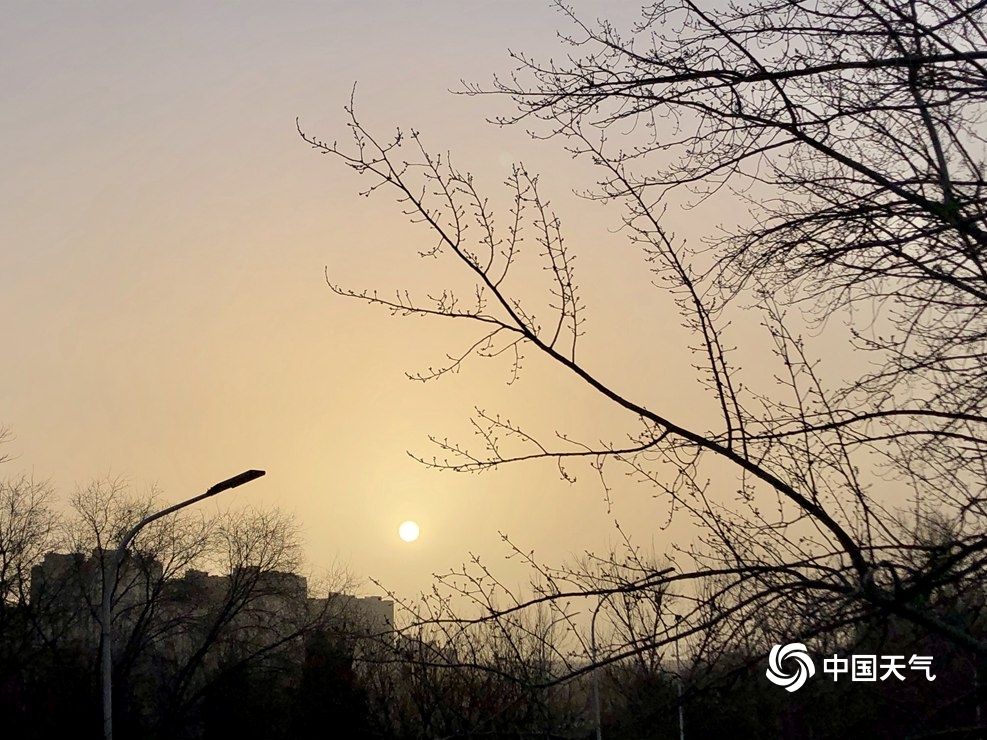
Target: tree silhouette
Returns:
[[851, 132]]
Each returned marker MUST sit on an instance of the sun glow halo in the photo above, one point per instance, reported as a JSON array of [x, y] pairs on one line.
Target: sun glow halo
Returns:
[[408, 531]]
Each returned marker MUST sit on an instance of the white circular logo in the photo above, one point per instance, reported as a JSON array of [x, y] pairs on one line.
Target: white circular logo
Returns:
[[791, 681]]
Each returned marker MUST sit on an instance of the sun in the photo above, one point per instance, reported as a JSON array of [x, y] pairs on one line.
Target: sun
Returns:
[[408, 531]]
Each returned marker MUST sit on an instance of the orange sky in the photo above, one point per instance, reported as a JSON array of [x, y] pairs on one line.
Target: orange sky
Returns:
[[163, 236]]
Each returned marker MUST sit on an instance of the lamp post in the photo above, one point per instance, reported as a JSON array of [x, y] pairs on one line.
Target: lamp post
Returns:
[[110, 570], [592, 637], [596, 673], [678, 674]]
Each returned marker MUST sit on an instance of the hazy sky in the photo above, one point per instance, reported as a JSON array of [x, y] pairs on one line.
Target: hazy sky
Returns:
[[163, 237]]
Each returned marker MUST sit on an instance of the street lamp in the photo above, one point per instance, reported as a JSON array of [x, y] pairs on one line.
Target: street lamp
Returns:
[[596, 673], [678, 675], [592, 637], [110, 570]]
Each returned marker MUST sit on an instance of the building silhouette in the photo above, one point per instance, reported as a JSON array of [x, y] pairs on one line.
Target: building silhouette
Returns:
[[245, 610]]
